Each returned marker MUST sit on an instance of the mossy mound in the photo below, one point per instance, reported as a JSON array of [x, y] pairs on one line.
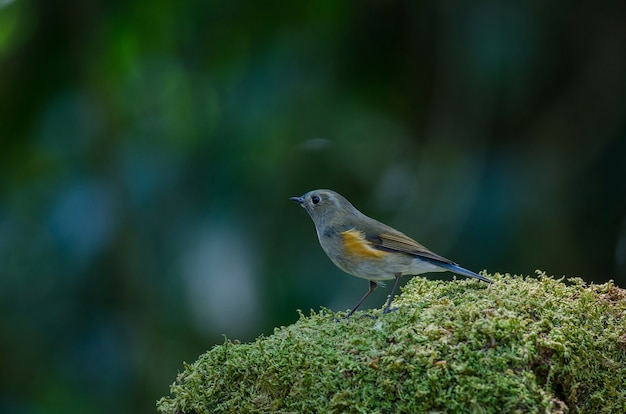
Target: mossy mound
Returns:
[[518, 345]]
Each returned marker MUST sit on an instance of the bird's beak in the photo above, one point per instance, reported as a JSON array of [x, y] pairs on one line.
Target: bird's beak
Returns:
[[297, 199]]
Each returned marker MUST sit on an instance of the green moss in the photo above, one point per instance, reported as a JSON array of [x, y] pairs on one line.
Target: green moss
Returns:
[[518, 345]]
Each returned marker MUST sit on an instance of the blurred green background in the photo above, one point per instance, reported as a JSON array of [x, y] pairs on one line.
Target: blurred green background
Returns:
[[149, 149]]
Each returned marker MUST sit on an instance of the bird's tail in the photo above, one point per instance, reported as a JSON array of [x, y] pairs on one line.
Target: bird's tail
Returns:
[[461, 271]]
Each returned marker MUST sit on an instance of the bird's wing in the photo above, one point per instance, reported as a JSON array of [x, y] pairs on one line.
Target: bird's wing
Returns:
[[396, 241]]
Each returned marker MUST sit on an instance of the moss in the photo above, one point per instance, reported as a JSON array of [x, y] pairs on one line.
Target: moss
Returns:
[[518, 345]]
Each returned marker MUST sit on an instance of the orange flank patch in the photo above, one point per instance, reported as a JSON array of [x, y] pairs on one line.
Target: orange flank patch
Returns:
[[355, 244]]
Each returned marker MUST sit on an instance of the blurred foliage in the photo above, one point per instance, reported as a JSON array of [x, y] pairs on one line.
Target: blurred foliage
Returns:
[[149, 150]]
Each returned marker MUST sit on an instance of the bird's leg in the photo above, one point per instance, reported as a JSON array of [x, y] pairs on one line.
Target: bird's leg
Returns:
[[393, 292], [373, 286]]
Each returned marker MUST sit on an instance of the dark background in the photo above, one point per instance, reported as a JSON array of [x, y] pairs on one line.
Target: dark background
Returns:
[[149, 149]]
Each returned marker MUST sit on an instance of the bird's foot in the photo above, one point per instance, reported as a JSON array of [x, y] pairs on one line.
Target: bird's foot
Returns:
[[365, 315]]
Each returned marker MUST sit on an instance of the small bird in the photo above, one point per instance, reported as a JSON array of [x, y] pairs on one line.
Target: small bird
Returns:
[[367, 248]]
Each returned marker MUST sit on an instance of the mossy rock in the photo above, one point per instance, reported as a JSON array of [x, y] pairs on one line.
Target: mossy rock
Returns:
[[522, 345]]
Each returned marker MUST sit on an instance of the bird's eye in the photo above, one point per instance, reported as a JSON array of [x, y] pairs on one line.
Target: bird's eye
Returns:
[[315, 199]]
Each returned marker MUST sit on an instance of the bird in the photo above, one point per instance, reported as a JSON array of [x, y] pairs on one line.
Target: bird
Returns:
[[366, 248]]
